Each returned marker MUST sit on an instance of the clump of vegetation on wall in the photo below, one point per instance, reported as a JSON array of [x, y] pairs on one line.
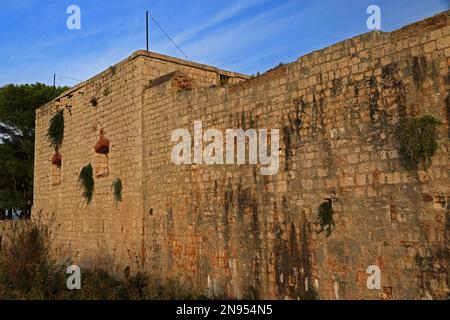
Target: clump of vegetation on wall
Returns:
[[56, 129], [117, 189], [112, 70], [325, 217], [87, 181], [417, 138], [107, 91], [93, 101]]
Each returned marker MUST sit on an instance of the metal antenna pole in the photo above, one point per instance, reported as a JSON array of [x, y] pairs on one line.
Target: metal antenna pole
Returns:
[[146, 27]]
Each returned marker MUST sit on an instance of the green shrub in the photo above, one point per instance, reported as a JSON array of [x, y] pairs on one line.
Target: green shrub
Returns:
[[26, 268], [417, 138], [86, 179], [56, 129]]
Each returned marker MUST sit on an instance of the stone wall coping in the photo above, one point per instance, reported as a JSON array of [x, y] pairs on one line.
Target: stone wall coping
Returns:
[[151, 55]]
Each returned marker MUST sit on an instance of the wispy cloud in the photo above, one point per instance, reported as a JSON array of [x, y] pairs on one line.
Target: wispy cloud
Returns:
[[222, 16], [222, 46], [240, 35]]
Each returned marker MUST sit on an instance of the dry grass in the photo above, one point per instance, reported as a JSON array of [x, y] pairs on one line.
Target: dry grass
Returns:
[[27, 271]]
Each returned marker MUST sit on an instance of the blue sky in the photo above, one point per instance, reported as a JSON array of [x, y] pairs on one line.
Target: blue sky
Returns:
[[245, 36]]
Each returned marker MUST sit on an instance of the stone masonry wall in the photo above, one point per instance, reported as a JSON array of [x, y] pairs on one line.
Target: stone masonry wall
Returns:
[[228, 230], [102, 231], [231, 231]]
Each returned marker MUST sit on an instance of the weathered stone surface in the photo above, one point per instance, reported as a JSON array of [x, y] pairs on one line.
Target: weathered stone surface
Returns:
[[229, 230]]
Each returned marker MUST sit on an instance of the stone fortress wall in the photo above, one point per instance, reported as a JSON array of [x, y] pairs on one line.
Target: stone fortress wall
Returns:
[[228, 230]]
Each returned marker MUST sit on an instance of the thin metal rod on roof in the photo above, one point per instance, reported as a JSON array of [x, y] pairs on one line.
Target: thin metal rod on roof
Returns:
[[168, 37], [146, 28]]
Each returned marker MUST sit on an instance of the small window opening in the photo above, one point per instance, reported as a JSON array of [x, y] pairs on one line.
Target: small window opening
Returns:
[[56, 167], [101, 156]]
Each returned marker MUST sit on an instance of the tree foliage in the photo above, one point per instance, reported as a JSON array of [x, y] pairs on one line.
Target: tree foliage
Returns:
[[18, 104]]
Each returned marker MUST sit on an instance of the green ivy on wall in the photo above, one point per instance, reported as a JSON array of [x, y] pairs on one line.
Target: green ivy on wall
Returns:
[[417, 139], [325, 217], [56, 129], [117, 189], [86, 179]]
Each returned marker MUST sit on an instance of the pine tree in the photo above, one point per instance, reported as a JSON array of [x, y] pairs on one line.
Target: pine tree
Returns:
[[18, 104]]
